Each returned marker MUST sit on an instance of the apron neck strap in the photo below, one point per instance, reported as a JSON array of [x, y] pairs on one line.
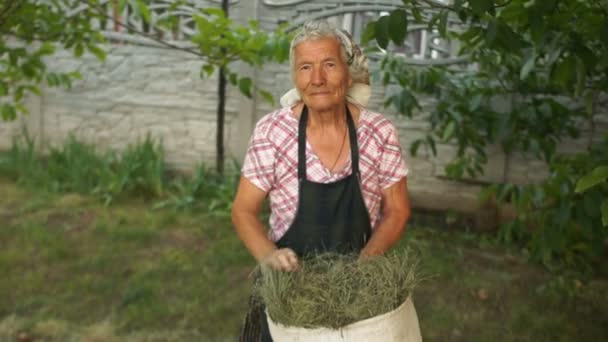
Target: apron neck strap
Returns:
[[352, 133]]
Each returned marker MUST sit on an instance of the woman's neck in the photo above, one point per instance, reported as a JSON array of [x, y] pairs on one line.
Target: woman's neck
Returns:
[[332, 117]]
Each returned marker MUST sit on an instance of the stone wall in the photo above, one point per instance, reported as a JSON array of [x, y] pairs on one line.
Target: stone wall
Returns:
[[138, 90]]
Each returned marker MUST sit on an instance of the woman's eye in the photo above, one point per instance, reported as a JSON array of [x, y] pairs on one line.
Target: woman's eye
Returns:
[[331, 64], [305, 67]]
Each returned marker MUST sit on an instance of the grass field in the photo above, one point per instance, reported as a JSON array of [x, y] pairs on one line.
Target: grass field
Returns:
[[73, 269]]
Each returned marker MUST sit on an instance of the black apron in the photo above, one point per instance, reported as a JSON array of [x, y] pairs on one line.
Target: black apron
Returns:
[[331, 217]]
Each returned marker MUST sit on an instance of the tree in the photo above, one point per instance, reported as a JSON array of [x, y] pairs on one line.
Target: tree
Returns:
[[549, 61], [33, 29]]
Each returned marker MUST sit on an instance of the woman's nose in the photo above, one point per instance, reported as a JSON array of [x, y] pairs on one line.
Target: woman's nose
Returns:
[[317, 77]]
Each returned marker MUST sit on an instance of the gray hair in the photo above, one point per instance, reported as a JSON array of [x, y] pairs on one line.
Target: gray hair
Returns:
[[313, 30]]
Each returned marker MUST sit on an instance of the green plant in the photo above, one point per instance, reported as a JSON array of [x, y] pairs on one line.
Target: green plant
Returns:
[[29, 32], [205, 190], [561, 222], [79, 167], [596, 181], [539, 70], [21, 161], [76, 167], [140, 169]]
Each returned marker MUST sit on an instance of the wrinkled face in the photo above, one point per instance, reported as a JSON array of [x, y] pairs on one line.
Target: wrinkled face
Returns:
[[320, 75]]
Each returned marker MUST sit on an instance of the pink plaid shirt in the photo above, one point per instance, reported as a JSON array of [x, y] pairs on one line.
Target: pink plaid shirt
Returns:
[[271, 164]]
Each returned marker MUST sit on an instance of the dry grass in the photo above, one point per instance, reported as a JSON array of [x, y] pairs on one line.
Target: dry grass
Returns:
[[332, 290]]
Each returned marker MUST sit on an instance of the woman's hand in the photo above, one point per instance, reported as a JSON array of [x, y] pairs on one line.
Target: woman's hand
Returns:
[[283, 259]]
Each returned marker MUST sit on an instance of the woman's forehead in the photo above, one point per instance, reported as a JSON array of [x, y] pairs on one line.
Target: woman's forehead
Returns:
[[322, 48]]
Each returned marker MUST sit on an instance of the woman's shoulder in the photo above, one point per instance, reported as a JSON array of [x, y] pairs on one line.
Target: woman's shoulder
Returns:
[[275, 121], [376, 123]]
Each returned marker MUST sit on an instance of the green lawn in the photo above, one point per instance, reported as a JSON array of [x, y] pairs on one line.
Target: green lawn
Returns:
[[74, 270]]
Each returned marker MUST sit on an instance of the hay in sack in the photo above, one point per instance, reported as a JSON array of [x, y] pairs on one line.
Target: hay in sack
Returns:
[[333, 290]]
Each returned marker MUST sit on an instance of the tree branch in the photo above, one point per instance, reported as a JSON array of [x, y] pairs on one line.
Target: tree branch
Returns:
[[135, 30], [33, 38], [434, 4]]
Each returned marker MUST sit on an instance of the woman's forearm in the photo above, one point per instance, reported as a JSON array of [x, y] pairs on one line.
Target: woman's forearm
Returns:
[[251, 231], [387, 234]]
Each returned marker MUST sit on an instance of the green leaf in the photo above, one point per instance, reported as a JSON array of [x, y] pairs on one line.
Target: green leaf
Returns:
[[267, 96], [281, 50], [97, 51], [46, 49], [3, 89], [368, 33], [201, 24], [52, 80], [75, 75], [208, 69], [78, 50], [503, 191], [382, 31], [8, 112], [448, 132], [398, 26], [121, 5], [604, 210], [34, 89], [563, 72], [143, 11], [475, 102], [21, 108], [233, 78], [596, 176], [481, 6], [486, 193], [528, 65], [245, 86], [19, 93], [414, 147]]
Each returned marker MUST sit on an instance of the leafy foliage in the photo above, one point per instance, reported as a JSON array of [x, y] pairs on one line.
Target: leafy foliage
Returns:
[[78, 167], [557, 220], [205, 190], [218, 42], [31, 30], [139, 170], [539, 71]]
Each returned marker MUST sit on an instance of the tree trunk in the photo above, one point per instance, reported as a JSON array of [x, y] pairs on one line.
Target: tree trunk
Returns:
[[221, 111]]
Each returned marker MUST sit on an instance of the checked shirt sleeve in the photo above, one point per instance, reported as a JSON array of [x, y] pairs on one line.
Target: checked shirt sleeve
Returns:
[[391, 166], [259, 163]]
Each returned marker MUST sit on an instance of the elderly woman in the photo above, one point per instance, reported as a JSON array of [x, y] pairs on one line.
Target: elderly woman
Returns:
[[333, 170]]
